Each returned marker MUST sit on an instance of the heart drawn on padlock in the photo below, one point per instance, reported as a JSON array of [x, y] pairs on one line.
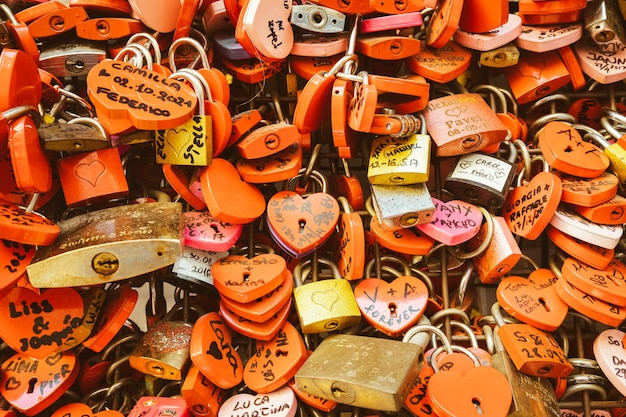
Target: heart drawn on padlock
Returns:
[[90, 172], [83, 410], [454, 222], [456, 111], [533, 300], [300, 225], [482, 388], [392, 307], [36, 325], [465, 164], [282, 401], [529, 208], [610, 353], [177, 140], [212, 351], [326, 298], [32, 385], [244, 280], [532, 68], [275, 361]]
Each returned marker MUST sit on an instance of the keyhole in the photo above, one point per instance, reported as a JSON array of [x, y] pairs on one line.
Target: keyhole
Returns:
[[569, 149], [476, 403], [103, 27], [543, 303], [246, 276], [302, 224], [57, 23], [393, 309], [31, 385]]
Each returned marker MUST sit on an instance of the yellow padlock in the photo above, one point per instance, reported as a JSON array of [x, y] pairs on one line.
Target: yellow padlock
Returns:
[[326, 305]]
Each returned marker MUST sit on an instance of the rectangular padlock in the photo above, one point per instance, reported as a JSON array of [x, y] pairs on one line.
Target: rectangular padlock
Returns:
[[361, 371], [399, 206], [399, 160], [462, 123], [71, 57], [603, 23], [110, 245]]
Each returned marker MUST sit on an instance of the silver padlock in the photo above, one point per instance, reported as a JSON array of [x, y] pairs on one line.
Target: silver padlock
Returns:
[[401, 206], [71, 57], [603, 22], [317, 18]]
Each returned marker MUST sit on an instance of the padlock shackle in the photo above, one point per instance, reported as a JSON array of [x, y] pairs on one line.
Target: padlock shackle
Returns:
[[91, 122], [150, 40], [196, 84], [471, 336], [205, 84], [455, 348], [171, 56], [428, 328], [455, 250]]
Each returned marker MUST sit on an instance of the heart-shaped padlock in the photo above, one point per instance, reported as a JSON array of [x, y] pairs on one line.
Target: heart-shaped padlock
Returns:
[[203, 231], [244, 280], [275, 361], [300, 225], [36, 324], [392, 307], [454, 222], [607, 285], [265, 330], [533, 300], [610, 353], [32, 385], [529, 208], [212, 351], [282, 401]]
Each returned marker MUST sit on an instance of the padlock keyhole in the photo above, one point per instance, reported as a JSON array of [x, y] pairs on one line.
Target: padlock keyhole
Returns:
[[31, 385], [476, 403], [302, 225], [246, 276], [544, 304], [568, 149], [393, 309]]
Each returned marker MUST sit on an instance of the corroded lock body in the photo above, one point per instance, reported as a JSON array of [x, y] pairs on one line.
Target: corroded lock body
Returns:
[[462, 123], [325, 305], [361, 371], [399, 206], [110, 245]]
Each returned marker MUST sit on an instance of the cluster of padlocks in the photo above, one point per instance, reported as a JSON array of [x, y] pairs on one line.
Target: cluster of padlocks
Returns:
[[271, 208]]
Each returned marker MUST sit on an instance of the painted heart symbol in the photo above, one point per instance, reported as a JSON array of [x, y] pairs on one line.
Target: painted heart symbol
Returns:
[[465, 164], [608, 349], [37, 324], [498, 174], [203, 231], [392, 307], [244, 280], [533, 300], [148, 100], [90, 172], [456, 111], [481, 391], [453, 223], [83, 410], [177, 140], [532, 67], [300, 225], [32, 385], [529, 208], [211, 350], [326, 299], [282, 401], [220, 182], [276, 361]]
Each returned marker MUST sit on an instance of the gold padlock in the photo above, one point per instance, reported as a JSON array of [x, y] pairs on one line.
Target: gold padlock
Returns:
[[110, 245], [326, 305]]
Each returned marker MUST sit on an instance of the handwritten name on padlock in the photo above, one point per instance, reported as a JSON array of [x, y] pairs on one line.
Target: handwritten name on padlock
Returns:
[[203, 231], [280, 403], [454, 222], [37, 324], [186, 144], [146, 98], [302, 224], [31, 385], [610, 353], [529, 208], [14, 257], [403, 160]]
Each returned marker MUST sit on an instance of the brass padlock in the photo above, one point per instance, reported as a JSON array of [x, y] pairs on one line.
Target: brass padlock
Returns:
[[361, 371], [603, 23], [163, 351], [400, 160], [400, 206], [80, 134], [110, 245], [462, 123], [325, 305]]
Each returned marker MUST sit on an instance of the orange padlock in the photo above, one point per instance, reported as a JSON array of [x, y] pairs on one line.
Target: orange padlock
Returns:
[[92, 177]]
